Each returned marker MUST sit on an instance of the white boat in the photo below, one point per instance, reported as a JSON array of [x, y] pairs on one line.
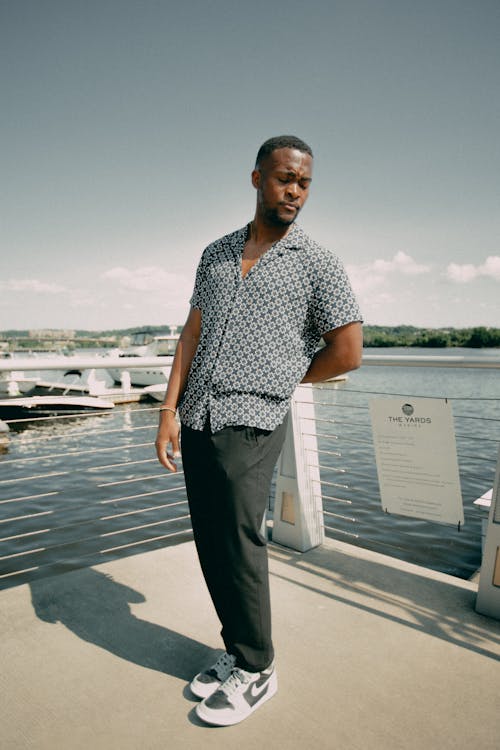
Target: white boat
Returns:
[[147, 344], [156, 391], [74, 383], [48, 406], [15, 382]]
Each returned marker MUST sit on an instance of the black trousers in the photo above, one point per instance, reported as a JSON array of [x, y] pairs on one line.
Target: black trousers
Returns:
[[228, 476]]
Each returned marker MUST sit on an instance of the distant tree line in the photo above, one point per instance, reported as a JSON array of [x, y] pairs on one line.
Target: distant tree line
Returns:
[[476, 338], [376, 336]]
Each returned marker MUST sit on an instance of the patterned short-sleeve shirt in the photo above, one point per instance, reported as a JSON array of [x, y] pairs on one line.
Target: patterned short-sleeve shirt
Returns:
[[259, 333]]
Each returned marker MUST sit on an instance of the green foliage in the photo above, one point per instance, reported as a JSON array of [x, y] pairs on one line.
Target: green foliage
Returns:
[[478, 337], [374, 336]]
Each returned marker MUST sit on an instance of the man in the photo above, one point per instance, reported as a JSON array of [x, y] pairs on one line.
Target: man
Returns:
[[264, 296]]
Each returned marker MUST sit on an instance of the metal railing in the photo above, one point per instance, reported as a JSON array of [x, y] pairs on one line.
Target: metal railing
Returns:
[[75, 491], [346, 459]]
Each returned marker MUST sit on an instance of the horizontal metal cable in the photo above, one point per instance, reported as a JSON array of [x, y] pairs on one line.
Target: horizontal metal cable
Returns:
[[141, 541], [28, 497], [142, 479], [317, 419], [336, 499], [91, 555], [143, 510], [414, 395], [14, 573], [475, 438], [437, 554], [90, 519], [481, 459], [332, 404], [122, 463], [343, 437], [34, 476], [145, 526], [339, 515], [64, 509], [83, 434], [69, 454], [329, 468], [342, 405], [29, 515], [141, 494], [79, 415], [22, 536], [361, 474], [341, 531], [72, 543], [332, 484], [321, 435]]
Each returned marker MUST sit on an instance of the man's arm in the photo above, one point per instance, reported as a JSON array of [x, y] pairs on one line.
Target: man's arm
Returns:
[[342, 353], [168, 429]]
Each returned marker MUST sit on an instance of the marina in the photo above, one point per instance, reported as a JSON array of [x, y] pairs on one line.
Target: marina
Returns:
[[82, 479]]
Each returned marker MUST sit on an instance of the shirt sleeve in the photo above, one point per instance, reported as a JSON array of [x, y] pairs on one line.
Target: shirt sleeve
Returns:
[[199, 291], [334, 303]]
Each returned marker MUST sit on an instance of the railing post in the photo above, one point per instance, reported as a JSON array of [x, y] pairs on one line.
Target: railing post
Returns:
[[488, 596], [298, 511]]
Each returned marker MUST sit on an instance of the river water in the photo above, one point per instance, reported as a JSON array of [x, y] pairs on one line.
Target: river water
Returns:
[[75, 492]]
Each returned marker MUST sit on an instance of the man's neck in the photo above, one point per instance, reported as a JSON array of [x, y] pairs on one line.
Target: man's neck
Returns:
[[265, 234]]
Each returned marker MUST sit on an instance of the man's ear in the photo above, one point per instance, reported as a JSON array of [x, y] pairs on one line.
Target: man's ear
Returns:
[[256, 178]]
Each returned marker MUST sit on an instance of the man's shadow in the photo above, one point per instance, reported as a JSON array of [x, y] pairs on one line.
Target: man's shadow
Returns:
[[96, 608]]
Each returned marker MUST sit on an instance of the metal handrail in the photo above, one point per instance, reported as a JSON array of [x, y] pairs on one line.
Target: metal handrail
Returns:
[[105, 497], [80, 362]]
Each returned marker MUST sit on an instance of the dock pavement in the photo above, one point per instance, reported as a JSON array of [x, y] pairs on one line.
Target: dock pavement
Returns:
[[372, 654]]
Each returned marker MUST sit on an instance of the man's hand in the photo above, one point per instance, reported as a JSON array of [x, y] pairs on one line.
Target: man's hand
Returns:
[[168, 434]]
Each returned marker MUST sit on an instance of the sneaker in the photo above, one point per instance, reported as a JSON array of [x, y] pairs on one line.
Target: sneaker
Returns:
[[206, 683], [239, 696]]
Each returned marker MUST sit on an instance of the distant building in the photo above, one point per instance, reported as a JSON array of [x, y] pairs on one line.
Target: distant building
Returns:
[[52, 333]]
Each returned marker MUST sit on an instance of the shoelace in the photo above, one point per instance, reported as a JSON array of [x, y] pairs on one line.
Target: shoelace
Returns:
[[223, 663], [237, 678]]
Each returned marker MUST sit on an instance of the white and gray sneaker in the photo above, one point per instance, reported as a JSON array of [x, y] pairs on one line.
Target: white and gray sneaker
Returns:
[[239, 696], [207, 682]]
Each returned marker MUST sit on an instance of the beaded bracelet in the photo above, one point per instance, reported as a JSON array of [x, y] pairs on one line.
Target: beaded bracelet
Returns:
[[168, 408]]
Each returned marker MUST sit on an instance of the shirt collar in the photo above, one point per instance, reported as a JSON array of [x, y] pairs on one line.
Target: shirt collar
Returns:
[[292, 241]]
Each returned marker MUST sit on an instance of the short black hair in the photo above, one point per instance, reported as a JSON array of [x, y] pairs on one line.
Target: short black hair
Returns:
[[281, 141]]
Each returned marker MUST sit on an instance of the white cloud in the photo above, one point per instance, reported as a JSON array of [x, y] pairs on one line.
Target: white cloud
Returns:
[[491, 267], [463, 273], [32, 285], [368, 276], [145, 278], [401, 263]]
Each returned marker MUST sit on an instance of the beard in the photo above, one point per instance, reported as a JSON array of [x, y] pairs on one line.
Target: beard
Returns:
[[273, 217]]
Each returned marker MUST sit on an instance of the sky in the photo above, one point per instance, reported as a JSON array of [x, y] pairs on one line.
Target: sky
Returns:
[[129, 130]]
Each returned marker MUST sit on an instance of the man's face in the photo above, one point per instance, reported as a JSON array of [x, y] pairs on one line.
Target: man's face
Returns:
[[282, 182]]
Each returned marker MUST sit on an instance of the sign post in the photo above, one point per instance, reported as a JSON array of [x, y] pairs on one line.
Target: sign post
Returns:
[[488, 596]]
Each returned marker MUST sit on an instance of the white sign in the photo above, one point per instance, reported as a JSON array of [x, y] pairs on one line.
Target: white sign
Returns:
[[417, 458]]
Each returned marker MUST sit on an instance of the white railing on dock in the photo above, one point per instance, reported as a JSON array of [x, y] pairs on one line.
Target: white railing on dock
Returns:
[[81, 489]]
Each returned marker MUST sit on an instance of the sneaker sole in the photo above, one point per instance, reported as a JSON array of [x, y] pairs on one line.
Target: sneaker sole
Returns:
[[210, 717]]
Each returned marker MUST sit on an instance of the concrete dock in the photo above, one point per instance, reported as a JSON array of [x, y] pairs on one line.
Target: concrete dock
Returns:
[[372, 653]]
